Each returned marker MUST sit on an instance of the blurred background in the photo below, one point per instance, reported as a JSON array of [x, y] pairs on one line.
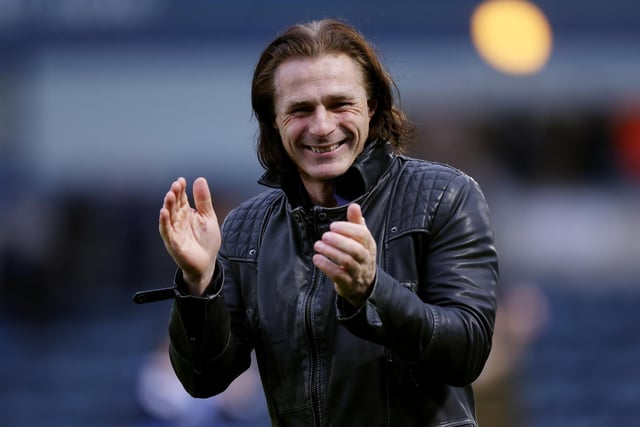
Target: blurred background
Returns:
[[104, 102]]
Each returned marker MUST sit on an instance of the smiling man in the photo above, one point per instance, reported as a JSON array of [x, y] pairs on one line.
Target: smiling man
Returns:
[[379, 322]]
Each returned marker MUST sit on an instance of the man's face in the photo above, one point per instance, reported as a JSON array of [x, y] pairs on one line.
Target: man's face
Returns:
[[322, 115]]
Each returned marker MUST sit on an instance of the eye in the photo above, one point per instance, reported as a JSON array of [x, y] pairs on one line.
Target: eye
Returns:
[[300, 110], [341, 105]]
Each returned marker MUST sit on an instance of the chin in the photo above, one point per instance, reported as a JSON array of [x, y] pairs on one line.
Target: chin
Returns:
[[329, 174]]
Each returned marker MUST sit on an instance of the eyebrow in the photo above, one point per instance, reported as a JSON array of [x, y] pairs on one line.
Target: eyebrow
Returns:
[[329, 99], [297, 104]]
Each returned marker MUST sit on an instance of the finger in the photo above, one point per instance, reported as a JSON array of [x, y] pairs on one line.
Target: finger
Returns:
[[353, 226], [202, 197], [334, 254], [165, 217], [172, 199], [353, 223], [344, 251], [354, 214], [333, 271], [164, 225], [169, 202], [169, 209], [183, 199]]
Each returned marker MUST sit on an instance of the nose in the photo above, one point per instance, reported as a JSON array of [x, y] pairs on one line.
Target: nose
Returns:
[[322, 123]]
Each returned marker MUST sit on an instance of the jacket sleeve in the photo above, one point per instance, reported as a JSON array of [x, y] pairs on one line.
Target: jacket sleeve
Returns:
[[205, 353], [444, 329]]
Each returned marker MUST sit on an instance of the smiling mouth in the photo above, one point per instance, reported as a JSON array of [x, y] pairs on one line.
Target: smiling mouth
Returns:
[[328, 149]]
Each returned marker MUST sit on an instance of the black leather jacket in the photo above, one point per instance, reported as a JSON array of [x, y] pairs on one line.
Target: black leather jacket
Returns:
[[405, 358]]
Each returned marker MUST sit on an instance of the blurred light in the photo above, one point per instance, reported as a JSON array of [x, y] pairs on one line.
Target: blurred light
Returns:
[[513, 36]]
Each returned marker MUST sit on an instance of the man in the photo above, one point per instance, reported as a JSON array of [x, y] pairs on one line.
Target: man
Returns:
[[364, 280]]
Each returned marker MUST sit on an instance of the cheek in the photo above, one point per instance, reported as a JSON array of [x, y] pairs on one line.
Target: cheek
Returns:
[[291, 131], [288, 138]]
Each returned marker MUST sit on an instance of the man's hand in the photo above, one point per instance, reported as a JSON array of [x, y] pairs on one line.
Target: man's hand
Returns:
[[191, 236], [347, 255]]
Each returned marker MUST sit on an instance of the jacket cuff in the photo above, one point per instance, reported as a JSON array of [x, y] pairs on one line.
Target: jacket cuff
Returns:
[[213, 290], [199, 324], [363, 321]]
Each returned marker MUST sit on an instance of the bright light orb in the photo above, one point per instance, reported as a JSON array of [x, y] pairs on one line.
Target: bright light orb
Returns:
[[513, 36]]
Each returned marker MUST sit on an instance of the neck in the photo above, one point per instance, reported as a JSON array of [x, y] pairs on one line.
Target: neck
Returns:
[[321, 194]]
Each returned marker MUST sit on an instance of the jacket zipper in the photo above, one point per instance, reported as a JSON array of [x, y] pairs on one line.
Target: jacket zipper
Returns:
[[313, 349], [387, 386]]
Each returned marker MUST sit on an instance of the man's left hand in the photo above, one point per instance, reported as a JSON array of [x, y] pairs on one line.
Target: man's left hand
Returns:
[[347, 255]]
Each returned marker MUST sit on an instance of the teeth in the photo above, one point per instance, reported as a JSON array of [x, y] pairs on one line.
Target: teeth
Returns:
[[326, 149]]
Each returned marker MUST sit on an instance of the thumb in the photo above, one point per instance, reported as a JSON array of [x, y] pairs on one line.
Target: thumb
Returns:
[[202, 196], [354, 214]]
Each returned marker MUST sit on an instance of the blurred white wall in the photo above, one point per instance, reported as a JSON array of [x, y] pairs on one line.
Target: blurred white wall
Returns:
[[133, 115]]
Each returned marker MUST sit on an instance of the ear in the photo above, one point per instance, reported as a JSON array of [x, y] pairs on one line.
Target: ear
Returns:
[[372, 104]]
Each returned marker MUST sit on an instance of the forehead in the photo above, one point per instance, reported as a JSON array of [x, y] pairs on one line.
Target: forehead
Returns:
[[297, 76]]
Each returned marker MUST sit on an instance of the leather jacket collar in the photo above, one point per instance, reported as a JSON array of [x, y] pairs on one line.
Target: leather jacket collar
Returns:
[[360, 178]]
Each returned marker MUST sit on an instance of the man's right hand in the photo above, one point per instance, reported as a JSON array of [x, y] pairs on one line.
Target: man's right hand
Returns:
[[191, 236]]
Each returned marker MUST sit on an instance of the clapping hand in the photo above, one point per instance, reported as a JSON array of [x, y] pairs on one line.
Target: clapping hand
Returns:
[[191, 235], [347, 255]]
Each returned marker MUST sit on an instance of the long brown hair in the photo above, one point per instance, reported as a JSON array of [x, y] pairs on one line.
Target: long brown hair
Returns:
[[312, 40]]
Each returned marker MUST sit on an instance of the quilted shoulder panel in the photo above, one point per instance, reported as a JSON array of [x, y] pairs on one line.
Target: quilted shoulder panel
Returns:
[[417, 195], [242, 227]]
